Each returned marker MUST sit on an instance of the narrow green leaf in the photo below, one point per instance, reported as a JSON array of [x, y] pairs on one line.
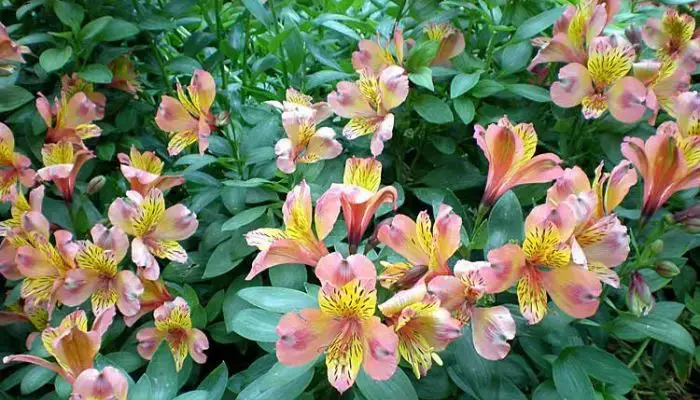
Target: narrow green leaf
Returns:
[[656, 327], [531, 92], [605, 367], [244, 218], [35, 379], [277, 299], [257, 325], [534, 25], [322, 77], [258, 11]]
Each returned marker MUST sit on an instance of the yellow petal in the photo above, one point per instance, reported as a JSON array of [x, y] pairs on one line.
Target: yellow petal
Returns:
[[363, 172], [532, 297], [93, 257], [543, 247], [150, 213], [343, 359], [353, 300]]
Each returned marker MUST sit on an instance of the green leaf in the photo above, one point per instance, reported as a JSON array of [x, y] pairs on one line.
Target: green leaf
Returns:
[[116, 30], [70, 14], [35, 379], [252, 182], [531, 92], [142, 390], [221, 260], [53, 59], [605, 367], [256, 8], [292, 276], [96, 73], [194, 395], [161, 370], [398, 387], [463, 83], [656, 327], [94, 27], [243, 218], [444, 144], [534, 25], [342, 29], [486, 88], [570, 377], [423, 77], [257, 325], [280, 382], [421, 55], [433, 109], [464, 107], [13, 97], [215, 383], [322, 77], [505, 222], [546, 391], [277, 299]]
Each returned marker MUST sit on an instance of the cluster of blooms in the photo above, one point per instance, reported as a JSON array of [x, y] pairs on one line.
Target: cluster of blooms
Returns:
[[68, 272], [596, 73]]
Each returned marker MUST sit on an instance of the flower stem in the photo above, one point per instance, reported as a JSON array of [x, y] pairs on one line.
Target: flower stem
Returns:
[[639, 352]]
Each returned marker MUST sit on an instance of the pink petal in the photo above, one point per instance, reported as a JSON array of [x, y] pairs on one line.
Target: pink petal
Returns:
[[446, 233], [285, 251], [400, 237], [368, 57], [203, 88], [574, 84], [148, 341], [347, 101], [113, 239], [121, 214], [303, 336], [393, 87], [572, 181], [198, 342], [573, 289], [403, 298], [335, 270], [448, 289], [507, 265], [327, 210], [540, 169], [626, 100], [44, 108], [383, 133], [323, 145], [172, 116], [286, 157], [93, 384], [130, 288], [380, 350], [621, 179], [178, 223], [142, 257], [491, 329]]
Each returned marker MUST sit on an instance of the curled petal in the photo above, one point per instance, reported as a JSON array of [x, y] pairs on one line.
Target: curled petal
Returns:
[[369, 57], [348, 102], [446, 233], [626, 100], [393, 87], [449, 289], [173, 117], [327, 211], [384, 131], [303, 336], [198, 342], [202, 89], [573, 289], [77, 287], [178, 223], [399, 236], [573, 85], [36, 361], [322, 146], [621, 179], [142, 257], [400, 300], [491, 329], [107, 384], [380, 350], [130, 288], [337, 271], [121, 214], [148, 341], [507, 265]]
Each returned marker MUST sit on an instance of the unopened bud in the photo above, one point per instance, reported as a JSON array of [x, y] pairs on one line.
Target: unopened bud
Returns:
[[668, 218], [96, 184], [412, 276], [689, 218], [667, 269], [657, 246], [639, 299]]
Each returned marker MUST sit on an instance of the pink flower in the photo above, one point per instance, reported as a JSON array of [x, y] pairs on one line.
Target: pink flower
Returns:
[[674, 36], [492, 327], [143, 171], [359, 197], [423, 326], [14, 236], [602, 83], [154, 295], [62, 162], [174, 325], [422, 244], [71, 117], [156, 230], [542, 265], [510, 151], [71, 344], [368, 104], [664, 81], [668, 163], [108, 384], [374, 56], [304, 144], [344, 326], [9, 49], [188, 118], [14, 166], [124, 75], [297, 101], [98, 267], [450, 39], [297, 243]]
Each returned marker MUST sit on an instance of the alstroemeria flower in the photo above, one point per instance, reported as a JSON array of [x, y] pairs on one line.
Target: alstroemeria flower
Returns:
[[98, 267], [602, 83], [124, 75], [542, 265], [174, 325], [359, 197], [510, 151], [573, 33], [13, 166], [492, 327], [156, 230], [62, 162], [601, 240], [73, 84], [71, 344], [664, 81], [668, 163], [374, 56], [295, 101], [451, 42], [344, 326], [9, 49], [674, 36], [108, 384], [154, 295], [27, 310], [188, 118], [11, 230], [686, 109], [368, 104], [70, 118], [304, 143], [423, 243], [46, 266], [143, 171], [297, 243], [423, 327]]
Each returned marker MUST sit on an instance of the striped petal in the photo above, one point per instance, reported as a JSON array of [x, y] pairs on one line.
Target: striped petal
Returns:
[[532, 296]]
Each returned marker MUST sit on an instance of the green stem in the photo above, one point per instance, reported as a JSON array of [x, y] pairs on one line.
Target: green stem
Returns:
[[480, 215], [639, 353], [280, 50]]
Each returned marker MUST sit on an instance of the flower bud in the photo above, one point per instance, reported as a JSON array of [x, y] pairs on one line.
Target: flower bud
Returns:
[[634, 35], [657, 246], [96, 184], [667, 269], [689, 218], [640, 301]]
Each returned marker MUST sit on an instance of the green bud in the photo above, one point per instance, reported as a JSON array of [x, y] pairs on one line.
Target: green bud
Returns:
[[667, 269], [657, 246]]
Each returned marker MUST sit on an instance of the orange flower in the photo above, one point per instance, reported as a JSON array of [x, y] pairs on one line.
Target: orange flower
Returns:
[[14, 166]]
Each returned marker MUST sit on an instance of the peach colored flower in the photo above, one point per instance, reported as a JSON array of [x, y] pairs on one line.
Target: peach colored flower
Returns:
[[664, 81], [451, 42], [368, 104], [11, 230], [510, 151], [174, 325], [124, 75], [143, 171], [297, 243], [343, 327], [108, 384], [674, 36], [304, 143], [10, 51], [188, 118], [374, 56], [296, 101], [70, 119], [14, 167], [154, 295], [155, 229], [62, 162]]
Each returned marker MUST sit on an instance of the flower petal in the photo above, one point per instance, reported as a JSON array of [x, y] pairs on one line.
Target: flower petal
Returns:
[[491, 329], [532, 296], [393, 87], [507, 265], [400, 236], [130, 288], [348, 102], [380, 350], [303, 336], [573, 289], [178, 223], [573, 85], [173, 117], [337, 271], [626, 100], [198, 342]]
